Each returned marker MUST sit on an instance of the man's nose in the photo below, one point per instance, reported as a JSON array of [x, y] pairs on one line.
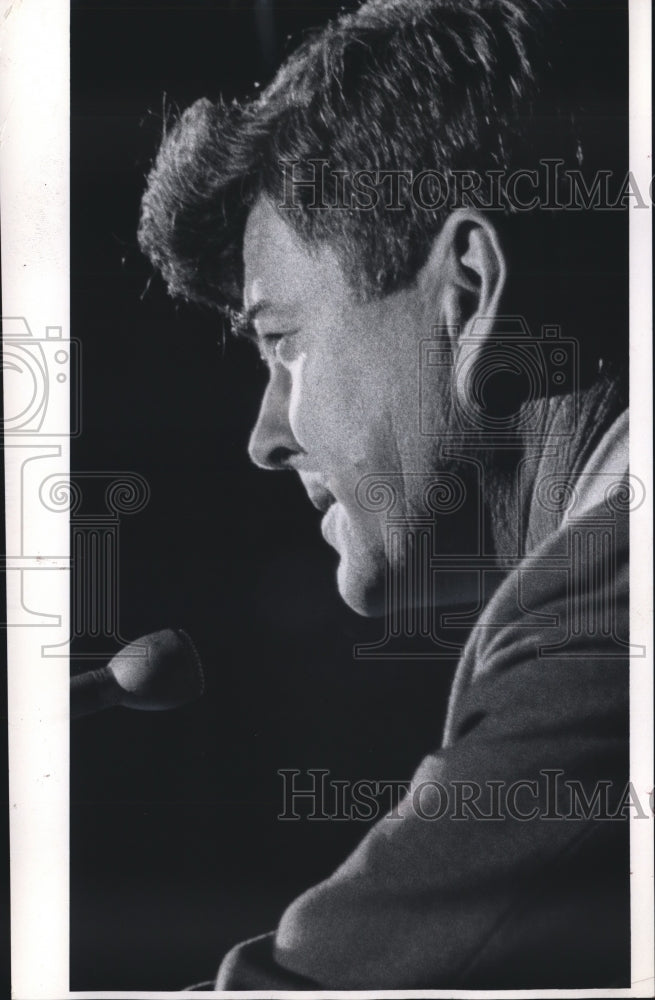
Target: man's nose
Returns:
[[272, 442]]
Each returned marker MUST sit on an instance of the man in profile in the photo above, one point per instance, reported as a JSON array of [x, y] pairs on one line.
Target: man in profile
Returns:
[[412, 178]]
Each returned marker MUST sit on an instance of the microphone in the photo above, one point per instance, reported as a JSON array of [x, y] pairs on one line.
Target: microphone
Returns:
[[157, 672]]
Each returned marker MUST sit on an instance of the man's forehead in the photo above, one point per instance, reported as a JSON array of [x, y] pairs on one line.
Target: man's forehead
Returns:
[[270, 255], [279, 268], [265, 225]]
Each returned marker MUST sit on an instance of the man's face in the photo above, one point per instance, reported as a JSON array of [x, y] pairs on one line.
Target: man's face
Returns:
[[342, 397]]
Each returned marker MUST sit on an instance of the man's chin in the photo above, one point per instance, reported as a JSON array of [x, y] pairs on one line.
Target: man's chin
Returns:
[[364, 595]]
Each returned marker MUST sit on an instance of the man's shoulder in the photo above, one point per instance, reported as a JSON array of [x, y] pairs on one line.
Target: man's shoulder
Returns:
[[561, 616], [573, 584]]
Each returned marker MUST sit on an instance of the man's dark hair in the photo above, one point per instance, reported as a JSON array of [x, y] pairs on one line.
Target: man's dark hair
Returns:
[[402, 85]]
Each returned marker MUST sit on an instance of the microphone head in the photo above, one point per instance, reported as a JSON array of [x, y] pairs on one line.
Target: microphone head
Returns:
[[159, 671]]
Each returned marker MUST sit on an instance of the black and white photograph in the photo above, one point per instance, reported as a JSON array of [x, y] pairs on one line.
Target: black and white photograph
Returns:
[[327, 372]]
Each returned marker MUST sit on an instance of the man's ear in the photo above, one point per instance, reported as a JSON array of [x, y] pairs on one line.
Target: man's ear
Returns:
[[464, 276]]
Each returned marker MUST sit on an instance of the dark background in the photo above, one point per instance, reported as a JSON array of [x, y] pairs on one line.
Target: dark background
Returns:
[[176, 852], [176, 849]]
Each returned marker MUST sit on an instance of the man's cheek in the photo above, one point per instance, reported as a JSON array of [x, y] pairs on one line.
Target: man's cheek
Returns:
[[316, 416]]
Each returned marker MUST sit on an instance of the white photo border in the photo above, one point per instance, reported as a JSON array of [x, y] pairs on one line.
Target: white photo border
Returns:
[[34, 185]]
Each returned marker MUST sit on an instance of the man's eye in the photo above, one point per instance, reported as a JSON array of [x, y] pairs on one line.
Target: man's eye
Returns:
[[272, 346], [271, 339]]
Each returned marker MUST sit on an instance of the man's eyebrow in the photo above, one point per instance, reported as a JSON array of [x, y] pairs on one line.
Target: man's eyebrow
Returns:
[[242, 320], [249, 315]]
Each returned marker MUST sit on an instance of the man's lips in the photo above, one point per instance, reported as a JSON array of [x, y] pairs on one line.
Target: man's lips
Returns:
[[325, 501], [319, 495]]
